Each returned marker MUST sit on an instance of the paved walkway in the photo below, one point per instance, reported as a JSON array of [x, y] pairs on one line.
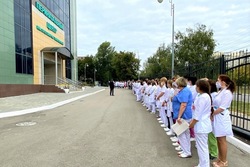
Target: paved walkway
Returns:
[[10, 106]]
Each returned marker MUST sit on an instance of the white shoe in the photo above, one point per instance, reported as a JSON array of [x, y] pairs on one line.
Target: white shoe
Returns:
[[192, 139], [158, 119], [152, 112], [174, 140], [173, 137], [178, 148], [166, 129], [184, 155], [170, 133], [163, 125], [176, 144], [161, 122], [180, 152]]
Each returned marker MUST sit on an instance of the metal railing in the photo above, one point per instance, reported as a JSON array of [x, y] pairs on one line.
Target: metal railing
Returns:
[[237, 67], [65, 83]]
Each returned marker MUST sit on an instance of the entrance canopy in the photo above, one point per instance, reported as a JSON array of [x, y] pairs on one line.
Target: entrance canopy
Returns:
[[63, 51]]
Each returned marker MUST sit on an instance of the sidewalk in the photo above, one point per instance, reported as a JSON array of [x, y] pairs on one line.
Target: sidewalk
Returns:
[[19, 105]]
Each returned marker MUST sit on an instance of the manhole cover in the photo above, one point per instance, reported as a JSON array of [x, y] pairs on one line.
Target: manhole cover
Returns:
[[26, 124]]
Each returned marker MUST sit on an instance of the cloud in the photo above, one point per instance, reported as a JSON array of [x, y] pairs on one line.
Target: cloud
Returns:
[[199, 9], [142, 26]]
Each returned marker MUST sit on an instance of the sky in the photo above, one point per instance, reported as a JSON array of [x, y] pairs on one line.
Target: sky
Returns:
[[141, 26]]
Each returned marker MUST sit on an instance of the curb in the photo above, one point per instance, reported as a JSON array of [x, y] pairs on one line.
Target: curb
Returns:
[[239, 144], [48, 107]]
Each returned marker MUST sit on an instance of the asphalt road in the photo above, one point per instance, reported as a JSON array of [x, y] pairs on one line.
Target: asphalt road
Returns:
[[96, 131]]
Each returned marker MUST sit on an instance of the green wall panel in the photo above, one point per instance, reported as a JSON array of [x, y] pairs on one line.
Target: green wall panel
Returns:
[[8, 73]]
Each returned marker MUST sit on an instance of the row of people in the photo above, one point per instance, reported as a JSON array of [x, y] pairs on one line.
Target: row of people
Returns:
[[199, 104]]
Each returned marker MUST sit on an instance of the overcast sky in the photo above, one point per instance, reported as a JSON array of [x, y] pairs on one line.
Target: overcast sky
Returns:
[[141, 26]]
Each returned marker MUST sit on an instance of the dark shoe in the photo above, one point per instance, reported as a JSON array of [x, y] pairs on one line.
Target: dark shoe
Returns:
[[212, 157]]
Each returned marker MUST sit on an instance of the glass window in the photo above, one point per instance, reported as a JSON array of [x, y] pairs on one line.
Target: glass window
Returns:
[[18, 63], [61, 4], [23, 37], [61, 15], [17, 14], [18, 38], [29, 65], [24, 65], [43, 1], [27, 21], [22, 13], [17, 1], [53, 6], [28, 43], [57, 12], [26, 5]]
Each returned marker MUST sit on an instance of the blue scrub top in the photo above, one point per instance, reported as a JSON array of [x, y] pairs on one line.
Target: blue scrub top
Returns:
[[184, 96]]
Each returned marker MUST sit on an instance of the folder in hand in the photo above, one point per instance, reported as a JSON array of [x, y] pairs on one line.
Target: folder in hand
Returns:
[[180, 128]]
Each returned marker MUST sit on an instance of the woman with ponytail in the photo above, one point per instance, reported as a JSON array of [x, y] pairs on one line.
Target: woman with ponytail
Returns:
[[221, 121], [201, 121]]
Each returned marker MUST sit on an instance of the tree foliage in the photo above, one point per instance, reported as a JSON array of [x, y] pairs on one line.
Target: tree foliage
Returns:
[[109, 65], [126, 66], [194, 46], [103, 58], [90, 67], [159, 64]]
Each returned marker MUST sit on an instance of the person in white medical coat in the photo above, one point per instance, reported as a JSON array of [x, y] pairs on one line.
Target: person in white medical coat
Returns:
[[201, 121], [221, 121]]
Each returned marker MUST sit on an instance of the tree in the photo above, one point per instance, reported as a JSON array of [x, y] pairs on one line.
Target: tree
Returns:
[[103, 57], [88, 60], [125, 65], [194, 46], [159, 64]]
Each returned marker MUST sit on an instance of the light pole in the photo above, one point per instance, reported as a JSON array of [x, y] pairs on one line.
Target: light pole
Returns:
[[94, 75], [172, 14], [85, 67]]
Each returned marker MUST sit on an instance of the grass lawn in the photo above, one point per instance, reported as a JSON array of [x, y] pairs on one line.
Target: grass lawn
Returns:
[[243, 89], [240, 108]]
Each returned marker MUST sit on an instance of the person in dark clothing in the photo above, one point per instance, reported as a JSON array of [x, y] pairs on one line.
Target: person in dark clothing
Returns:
[[111, 86]]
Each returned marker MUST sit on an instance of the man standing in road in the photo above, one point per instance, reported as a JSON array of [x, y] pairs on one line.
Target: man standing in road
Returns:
[[111, 86]]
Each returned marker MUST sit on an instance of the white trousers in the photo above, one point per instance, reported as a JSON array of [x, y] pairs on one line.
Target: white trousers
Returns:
[[184, 140], [163, 116], [202, 149], [152, 105]]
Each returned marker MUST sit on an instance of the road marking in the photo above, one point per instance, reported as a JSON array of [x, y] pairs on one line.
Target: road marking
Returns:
[[26, 124]]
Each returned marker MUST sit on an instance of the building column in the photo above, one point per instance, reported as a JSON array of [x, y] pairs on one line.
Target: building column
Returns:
[[42, 68], [56, 67]]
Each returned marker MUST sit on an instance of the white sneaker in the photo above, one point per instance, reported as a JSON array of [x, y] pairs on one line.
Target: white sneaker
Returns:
[[166, 129], [178, 148], [174, 140], [163, 125], [180, 152], [170, 133], [161, 122], [152, 112], [173, 137], [176, 144], [184, 155], [158, 119]]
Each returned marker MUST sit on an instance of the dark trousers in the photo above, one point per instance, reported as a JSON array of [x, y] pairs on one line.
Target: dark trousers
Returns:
[[111, 91]]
